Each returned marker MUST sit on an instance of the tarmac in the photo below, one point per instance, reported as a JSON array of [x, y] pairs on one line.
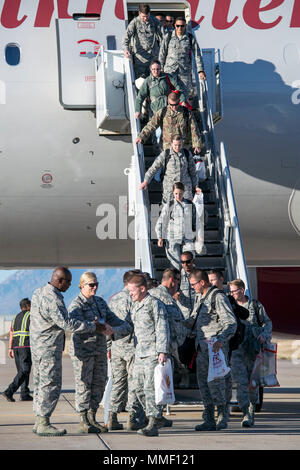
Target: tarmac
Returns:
[[277, 426]]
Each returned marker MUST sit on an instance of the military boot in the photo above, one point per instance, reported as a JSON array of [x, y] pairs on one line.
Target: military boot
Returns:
[[132, 424], [91, 416], [246, 421], [113, 423], [209, 420], [184, 382], [85, 426], [252, 412], [44, 428], [35, 425], [222, 418], [163, 422], [151, 429]]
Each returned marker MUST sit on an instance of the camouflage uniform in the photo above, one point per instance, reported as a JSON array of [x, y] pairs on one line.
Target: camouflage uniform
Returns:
[[180, 121], [142, 41], [175, 225], [88, 352], [122, 359], [158, 89], [187, 295], [151, 337], [49, 319], [220, 324], [241, 361], [175, 56], [176, 324], [179, 168]]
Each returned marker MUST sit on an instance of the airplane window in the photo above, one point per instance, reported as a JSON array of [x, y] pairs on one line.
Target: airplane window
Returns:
[[12, 54]]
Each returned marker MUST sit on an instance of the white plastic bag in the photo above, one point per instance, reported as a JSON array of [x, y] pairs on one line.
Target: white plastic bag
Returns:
[[200, 168], [264, 372], [217, 364], [105, 402], [163, 383], [199, 241]]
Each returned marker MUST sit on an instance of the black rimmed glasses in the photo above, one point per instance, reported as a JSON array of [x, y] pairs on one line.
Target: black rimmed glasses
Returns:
[[234, 291]]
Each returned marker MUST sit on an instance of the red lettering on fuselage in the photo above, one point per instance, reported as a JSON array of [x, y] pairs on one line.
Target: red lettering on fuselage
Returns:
[[9, 16], [220, 15], [252, 10], [44, 14], [295, 21], [194, 6]]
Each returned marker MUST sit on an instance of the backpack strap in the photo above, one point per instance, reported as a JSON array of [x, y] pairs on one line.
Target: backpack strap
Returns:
[[198, 310], [191, 37], [256, 311], [213, 298], [167, 158]]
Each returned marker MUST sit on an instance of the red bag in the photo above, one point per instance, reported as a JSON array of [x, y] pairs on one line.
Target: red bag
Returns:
[[188, 105]]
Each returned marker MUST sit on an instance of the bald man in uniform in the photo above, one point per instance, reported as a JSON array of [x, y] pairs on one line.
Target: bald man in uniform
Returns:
[[49, 320]]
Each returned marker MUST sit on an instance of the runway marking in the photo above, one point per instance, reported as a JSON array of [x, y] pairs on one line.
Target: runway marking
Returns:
[[98, 435]]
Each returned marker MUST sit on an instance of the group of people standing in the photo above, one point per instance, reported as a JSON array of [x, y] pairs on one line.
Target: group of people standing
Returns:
[[143, 325]]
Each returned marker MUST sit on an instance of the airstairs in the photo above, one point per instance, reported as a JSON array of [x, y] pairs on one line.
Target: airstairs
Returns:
[[222, 237]]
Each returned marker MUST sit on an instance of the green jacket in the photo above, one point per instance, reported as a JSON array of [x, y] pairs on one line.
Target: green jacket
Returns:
[[157, 89]]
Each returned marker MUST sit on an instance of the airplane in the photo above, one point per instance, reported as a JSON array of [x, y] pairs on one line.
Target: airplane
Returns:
[[61, 176]]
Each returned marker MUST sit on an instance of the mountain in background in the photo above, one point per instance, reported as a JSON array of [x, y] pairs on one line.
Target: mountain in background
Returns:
[[23, 283]]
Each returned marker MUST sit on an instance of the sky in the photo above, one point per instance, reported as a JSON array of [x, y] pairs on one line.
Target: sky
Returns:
[[5, 273]]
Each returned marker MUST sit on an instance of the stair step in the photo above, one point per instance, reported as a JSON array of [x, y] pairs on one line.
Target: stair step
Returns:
[[212, 209], [212, 222], [212, 249], [212, 235], [155, 196], [201, 262]]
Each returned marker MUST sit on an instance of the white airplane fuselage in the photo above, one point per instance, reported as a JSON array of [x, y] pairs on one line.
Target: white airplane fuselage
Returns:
[[56, 170]]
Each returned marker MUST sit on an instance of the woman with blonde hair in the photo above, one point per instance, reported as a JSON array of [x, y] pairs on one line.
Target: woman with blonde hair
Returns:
[[88, 353]]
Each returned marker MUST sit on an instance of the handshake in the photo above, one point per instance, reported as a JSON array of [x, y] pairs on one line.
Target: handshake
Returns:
[[104, 328]]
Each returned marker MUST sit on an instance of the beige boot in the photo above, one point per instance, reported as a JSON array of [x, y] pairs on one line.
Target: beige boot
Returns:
[[252, 413], [113, 423], [246, 421], [151, 429], [222, 418], [44, 428], [132, 424], [85, 426], [91, 415]]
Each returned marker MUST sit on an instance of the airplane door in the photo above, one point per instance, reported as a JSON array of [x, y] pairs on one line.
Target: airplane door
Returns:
[[78, 44]]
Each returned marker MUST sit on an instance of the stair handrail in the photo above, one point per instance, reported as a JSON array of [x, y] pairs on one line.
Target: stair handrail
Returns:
[[143, 256], [241, 268], [220, 170]]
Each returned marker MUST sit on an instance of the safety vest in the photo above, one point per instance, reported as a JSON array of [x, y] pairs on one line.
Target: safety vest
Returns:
[[20, 329]]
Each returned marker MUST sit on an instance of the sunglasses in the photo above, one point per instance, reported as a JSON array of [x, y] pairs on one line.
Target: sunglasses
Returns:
[[92, 284], [179, 25], [188, 261], [173, 104]]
